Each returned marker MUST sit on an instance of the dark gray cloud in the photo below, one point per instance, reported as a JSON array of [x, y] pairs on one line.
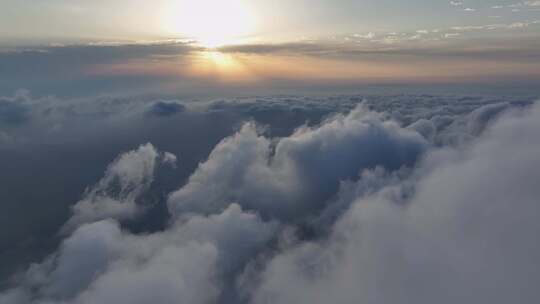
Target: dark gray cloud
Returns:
[[13, 110], [171, 66], [12, 113], [71, 69], [524, 50], [166, 108]]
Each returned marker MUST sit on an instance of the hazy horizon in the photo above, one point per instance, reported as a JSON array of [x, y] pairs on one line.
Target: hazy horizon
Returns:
[[182, 46]]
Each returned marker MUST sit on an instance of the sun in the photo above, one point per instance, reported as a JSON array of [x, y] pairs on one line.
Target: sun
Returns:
[[212, 23]]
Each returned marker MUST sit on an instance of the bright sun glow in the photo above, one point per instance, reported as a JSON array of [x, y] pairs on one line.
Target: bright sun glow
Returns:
[[212, 23], [220, 59], [224, 67]]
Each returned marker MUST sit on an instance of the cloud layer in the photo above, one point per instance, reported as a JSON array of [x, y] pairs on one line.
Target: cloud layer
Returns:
[[393, 199]]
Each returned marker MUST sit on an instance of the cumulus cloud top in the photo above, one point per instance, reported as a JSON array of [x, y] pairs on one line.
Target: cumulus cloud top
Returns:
[[297, 174], [115, 195]]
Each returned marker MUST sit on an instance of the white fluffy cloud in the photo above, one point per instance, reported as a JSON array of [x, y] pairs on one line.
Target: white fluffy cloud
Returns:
[[468, 234], [100, 263], [294, 176]]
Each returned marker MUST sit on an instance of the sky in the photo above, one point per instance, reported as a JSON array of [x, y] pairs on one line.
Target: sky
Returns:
[[219, 46], [61, 20]]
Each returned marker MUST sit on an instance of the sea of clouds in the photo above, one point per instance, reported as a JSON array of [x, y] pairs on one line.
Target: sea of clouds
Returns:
[[282, 199]]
